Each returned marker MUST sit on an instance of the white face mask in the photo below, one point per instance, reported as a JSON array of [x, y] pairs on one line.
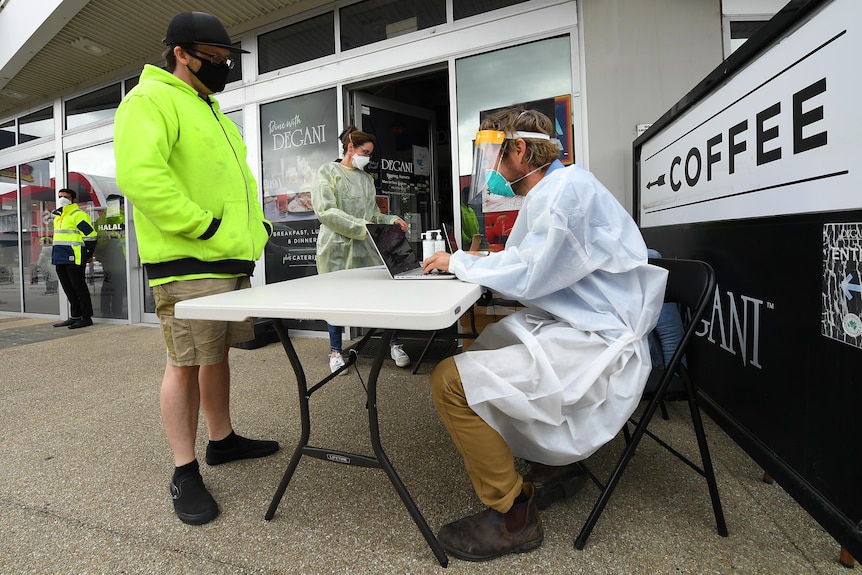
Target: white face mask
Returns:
[[63, 202], [359, 162]]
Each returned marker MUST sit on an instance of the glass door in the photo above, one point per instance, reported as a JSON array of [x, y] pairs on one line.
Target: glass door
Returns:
[[10, 261], [403, 161], [38, 274], [91, 173], [142, 306]]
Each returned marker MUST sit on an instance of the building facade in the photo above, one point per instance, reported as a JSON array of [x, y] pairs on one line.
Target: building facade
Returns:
[[418, 74]]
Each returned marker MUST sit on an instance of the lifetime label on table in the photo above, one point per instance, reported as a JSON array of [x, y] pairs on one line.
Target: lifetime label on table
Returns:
[[337, 458], [842, 283]]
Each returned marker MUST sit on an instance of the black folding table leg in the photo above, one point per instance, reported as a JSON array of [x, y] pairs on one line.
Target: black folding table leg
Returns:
[[424, 351], [281, 330], [381, 459], [374, 428]]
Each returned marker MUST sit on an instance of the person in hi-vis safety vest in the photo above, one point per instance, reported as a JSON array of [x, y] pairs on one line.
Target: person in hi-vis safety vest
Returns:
[[74, 244]]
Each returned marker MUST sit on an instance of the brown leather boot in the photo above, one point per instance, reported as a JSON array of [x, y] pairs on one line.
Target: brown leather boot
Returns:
[[490, 534], [554, 483]]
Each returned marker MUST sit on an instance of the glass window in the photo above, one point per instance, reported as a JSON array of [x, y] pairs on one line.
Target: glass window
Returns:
[[37, 231], [7, 134], [485, 84], [301, 42], [10, 275], [36, 125], [93, 107], [467, 8], [375, 20], [236, 118], [149, 300], [298, 135], [92, 175], [131, 83]]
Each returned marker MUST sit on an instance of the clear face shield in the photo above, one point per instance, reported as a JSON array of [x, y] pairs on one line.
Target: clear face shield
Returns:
[[487, 155]]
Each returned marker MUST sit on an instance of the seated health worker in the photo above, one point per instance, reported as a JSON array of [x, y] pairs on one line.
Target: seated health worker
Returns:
[[557, 379]]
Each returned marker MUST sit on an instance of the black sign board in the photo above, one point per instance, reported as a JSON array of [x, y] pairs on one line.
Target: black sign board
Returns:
[[755, 171]]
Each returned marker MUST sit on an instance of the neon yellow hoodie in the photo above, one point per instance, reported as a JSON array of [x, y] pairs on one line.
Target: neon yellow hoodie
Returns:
[[182, 164]]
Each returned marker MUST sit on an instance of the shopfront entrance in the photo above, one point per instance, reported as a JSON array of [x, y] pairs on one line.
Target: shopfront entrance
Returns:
[[411, 164], [403, 161], [409, 118]]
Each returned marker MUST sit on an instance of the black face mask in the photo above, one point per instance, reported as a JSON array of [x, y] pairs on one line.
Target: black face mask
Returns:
[[213, 76]]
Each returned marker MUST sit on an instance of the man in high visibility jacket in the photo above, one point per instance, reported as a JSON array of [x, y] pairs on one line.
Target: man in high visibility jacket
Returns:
[[74, 244], [200, 229]]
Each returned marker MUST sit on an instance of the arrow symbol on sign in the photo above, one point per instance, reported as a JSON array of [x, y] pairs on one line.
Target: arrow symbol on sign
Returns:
[[658, 182], [847, 287]]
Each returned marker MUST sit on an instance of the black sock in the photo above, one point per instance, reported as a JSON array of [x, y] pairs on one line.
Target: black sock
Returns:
[[225, 443], [522, 497], [187, 469]]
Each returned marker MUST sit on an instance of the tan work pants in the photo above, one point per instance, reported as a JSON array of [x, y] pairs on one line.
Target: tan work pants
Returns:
[[487, 458]]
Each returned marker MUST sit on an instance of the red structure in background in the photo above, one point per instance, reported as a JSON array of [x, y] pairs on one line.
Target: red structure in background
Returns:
[[498, 225]]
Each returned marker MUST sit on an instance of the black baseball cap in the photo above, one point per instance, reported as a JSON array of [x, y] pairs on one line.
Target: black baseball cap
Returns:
[[198, 28]]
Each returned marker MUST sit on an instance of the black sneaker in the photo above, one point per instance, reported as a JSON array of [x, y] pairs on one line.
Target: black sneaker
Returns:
[[68, 322], [241, 448], [193, 504]]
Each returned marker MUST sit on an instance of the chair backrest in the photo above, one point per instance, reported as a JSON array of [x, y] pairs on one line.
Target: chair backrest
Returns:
[[690, 283]]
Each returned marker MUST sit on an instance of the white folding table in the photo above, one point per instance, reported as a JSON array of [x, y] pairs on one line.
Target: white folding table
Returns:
[[366, 297]]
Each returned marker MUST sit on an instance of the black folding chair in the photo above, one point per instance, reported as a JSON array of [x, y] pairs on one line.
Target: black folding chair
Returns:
[[690, 284]]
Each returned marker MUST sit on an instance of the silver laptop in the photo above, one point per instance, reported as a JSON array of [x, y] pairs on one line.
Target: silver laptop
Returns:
[[397, 254]]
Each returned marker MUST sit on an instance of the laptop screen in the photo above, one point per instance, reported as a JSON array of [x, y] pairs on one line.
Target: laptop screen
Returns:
[[393, 246]]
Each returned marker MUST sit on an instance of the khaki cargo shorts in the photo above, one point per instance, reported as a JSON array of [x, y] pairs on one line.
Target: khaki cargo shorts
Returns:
[[194, 341]]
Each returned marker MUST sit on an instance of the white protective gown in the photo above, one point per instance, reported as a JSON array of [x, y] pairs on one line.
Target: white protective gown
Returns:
[[559, 378]]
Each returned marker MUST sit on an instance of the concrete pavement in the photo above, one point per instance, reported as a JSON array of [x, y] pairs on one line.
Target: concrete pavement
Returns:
[[86, 470]]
